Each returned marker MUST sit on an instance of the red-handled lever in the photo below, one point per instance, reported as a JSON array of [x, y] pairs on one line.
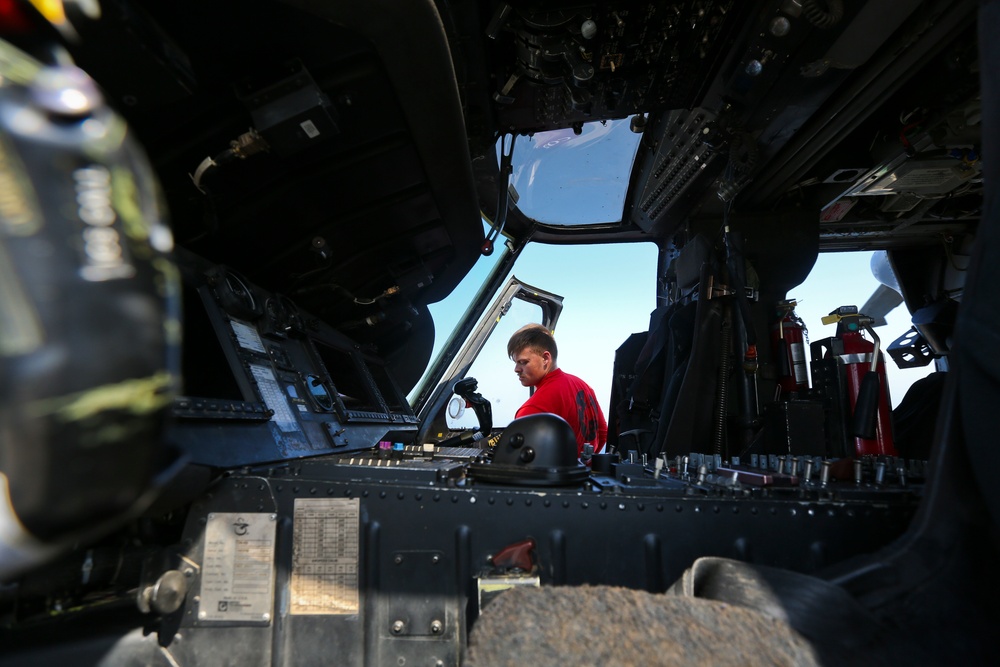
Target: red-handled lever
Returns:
[[518, 555]]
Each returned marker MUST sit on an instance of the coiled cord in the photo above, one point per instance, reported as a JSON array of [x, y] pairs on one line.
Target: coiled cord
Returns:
[[823, 13]]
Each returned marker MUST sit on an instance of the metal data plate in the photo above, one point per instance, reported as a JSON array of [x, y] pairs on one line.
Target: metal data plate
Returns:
[[325, 556], [237, 581]]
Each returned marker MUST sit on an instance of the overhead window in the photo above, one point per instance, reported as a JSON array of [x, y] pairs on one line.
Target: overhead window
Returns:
[[563, 178]]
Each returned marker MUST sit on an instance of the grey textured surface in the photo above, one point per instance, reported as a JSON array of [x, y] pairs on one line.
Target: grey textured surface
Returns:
[[601, 625]]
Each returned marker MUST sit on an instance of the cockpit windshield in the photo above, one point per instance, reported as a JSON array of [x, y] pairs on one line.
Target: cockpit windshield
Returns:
[[564, 178]]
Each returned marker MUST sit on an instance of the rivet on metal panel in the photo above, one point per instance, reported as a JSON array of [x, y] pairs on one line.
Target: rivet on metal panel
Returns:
[[398, 626], [436, 627]]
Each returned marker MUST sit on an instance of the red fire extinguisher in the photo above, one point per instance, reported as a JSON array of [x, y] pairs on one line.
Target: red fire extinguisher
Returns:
[[788, 342], [867, 389]]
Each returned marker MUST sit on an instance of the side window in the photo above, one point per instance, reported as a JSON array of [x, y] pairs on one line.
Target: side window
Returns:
[[495, 371]]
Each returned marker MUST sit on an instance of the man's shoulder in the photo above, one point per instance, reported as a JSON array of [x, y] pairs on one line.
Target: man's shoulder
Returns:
[[537, 403], [529, 408], [569, 378]]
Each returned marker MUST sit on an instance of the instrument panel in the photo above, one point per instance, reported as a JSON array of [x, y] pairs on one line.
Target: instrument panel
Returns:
[[283, 383]]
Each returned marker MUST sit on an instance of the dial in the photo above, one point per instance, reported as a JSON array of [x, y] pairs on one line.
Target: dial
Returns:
[[237, 297], [320, 392]]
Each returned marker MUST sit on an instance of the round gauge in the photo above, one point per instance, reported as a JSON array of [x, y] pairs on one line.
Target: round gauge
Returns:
[[293, 319], [238, 287], [282, 315], [320, 393], [276, 315], [456, 407], [237, 297]]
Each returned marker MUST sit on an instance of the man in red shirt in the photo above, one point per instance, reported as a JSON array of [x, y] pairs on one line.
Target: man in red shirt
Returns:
[[533, 351]]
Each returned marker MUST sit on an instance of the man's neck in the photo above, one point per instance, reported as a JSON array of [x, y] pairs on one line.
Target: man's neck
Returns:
[[545, 377]]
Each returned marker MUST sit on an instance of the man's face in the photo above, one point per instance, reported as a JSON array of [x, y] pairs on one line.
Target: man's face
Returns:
[[531, 366]]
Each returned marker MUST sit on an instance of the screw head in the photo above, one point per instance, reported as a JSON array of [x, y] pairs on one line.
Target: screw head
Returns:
[[398, 626]]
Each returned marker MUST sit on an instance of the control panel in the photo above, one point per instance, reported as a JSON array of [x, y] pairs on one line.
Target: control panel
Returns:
[[264, 381]]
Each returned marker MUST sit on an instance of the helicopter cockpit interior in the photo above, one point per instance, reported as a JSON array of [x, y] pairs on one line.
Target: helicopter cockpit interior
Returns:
[[230, 418]]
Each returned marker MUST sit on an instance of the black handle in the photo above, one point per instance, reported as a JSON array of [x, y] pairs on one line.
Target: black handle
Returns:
[[866, 407], [466, 388]]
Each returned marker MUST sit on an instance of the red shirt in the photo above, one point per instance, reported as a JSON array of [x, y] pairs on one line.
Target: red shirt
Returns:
[[572, 399]]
